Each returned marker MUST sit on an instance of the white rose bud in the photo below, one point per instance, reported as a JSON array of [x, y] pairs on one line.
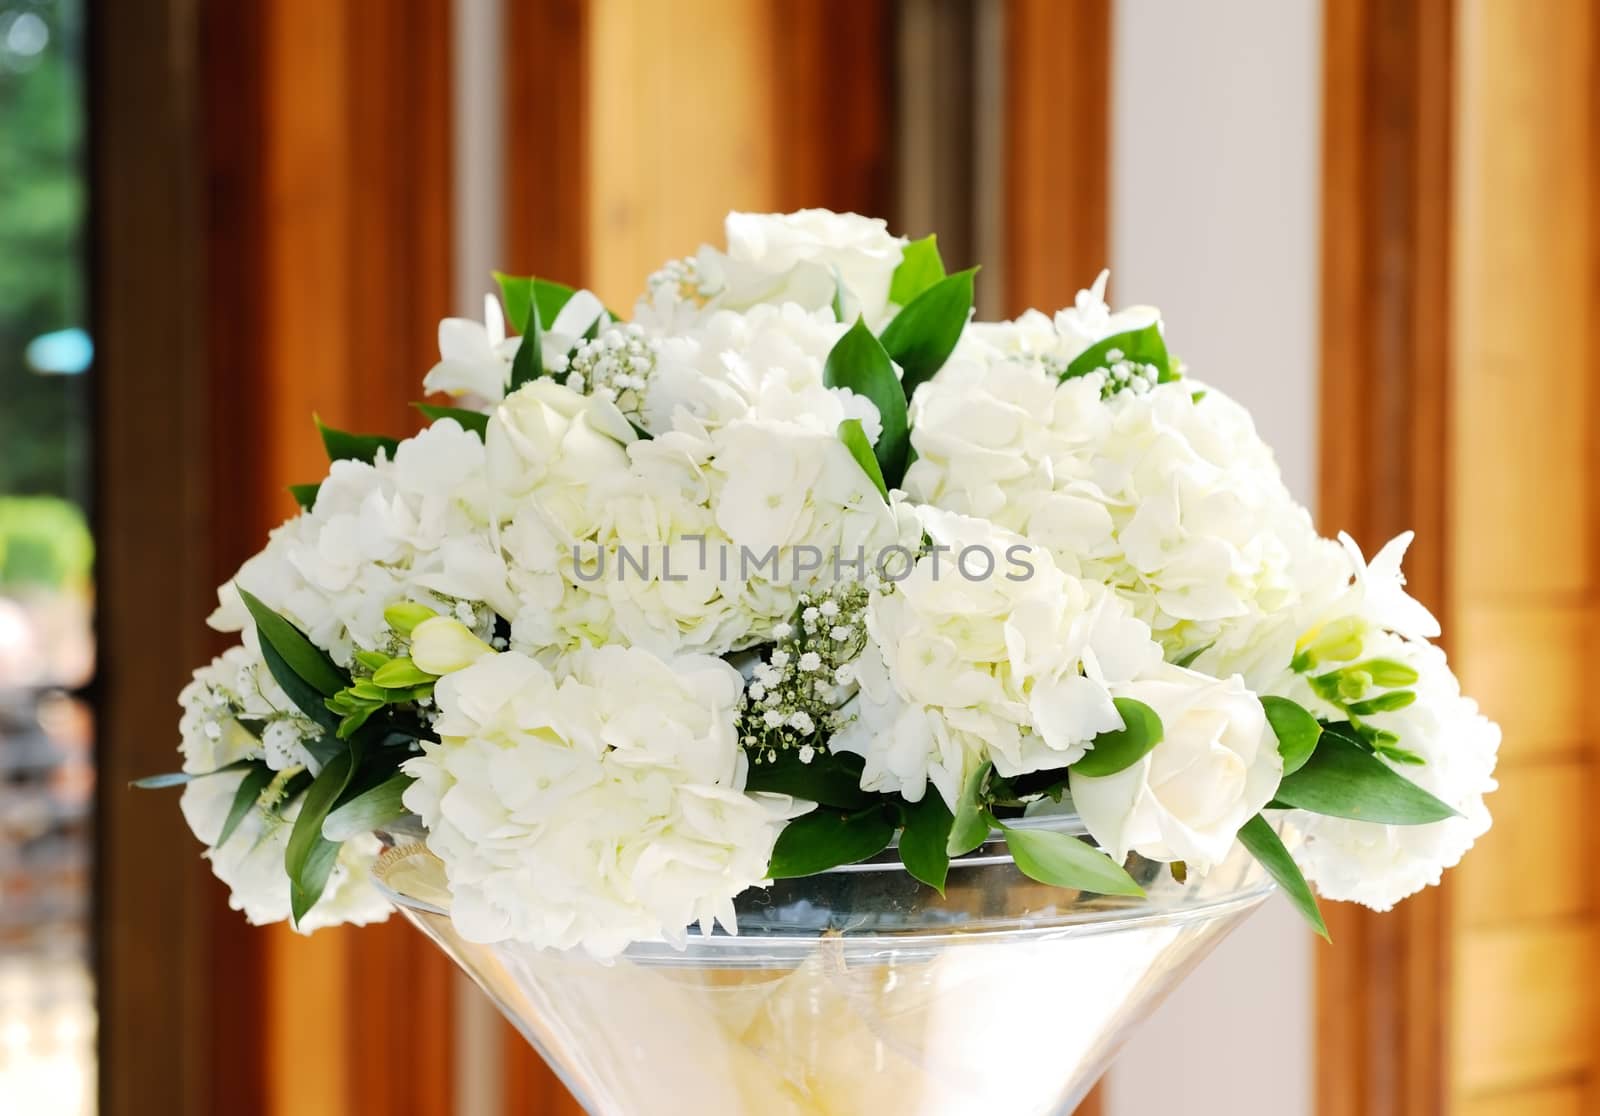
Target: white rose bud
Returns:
[[443, 646], [1217, 765]]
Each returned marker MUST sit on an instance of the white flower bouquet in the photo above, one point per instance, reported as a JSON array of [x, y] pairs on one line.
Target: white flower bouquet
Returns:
[[796, 566]]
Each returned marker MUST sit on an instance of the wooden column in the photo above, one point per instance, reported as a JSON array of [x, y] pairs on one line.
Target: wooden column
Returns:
[[1385, 362]]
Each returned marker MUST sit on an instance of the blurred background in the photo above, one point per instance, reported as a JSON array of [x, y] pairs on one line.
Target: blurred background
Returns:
[[1376, 222]]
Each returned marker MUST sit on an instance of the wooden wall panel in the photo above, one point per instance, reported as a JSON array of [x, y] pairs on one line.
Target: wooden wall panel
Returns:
[[1056, 190], [1523, 538], [1526, 1012]]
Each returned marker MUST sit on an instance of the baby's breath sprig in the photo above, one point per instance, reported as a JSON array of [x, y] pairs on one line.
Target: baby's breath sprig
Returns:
[[615, 366], [792, 703], [1120, 373]]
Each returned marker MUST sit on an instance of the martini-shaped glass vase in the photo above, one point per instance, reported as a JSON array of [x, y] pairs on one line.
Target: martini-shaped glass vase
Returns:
[[859, 991]]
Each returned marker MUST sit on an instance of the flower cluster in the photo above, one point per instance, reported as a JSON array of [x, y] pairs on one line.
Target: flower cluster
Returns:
[[619, 624], [796, 695]]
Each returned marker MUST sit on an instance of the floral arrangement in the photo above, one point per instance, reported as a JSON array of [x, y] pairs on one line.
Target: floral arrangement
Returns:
[[797, 565]]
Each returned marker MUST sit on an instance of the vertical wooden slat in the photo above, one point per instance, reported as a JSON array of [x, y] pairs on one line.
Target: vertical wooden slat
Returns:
[[548, 135], [1524, 516], [832, 114], [1058, 68], [1385, 344], [330, 270], [153, 908]]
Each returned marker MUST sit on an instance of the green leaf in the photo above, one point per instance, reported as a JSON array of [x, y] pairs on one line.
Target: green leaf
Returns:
[[1296, 729], [344, 446], [1188, 658], [369, 810], [830, 779], [1120, 749], [179, 778], [1062, 860], [838, 296], [519, 293], [250, 788], [826, 838], [305, 494], [1263, 842], [475, 421], [859, 362], [855, 440], [1344, 780], [925, 840], [923, 335], [310, 857], [305, 658], [920, 268], [528, 363], [1142, 346], [972, 821]]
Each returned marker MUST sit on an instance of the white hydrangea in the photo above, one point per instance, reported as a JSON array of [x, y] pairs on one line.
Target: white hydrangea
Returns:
[[1053, 342], [223, 707], [805, 257], [228, 703], [765, 364], [1378, 865], [411, 527], [250, 862], [595, 809], [1173, 500], [986, 651]]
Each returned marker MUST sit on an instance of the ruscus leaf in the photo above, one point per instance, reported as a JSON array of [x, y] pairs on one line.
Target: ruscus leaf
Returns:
[[1062, 860], [855, 440], [859, 362], [369, 810], [920, 268], [345, 446], [1120, 749], [308, 661], [925, 840], [475, 421], [1344, 780], [1267, 847], [250, 788], [972, 821], [924, 334], [1296, 729], [827, 838], [829, 779], [1142, 346]]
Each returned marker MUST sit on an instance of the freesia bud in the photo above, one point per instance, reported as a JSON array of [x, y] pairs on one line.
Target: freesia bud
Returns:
[[441, 645], [403, 616]]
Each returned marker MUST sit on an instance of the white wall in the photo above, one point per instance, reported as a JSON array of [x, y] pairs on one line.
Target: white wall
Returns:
[[1215, 212]]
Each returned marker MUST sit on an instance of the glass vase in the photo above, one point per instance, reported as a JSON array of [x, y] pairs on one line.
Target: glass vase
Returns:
[[857, 991]]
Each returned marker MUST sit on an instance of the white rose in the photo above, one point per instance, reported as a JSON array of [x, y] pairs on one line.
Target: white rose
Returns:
[[1217, 765], [802, 257]]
